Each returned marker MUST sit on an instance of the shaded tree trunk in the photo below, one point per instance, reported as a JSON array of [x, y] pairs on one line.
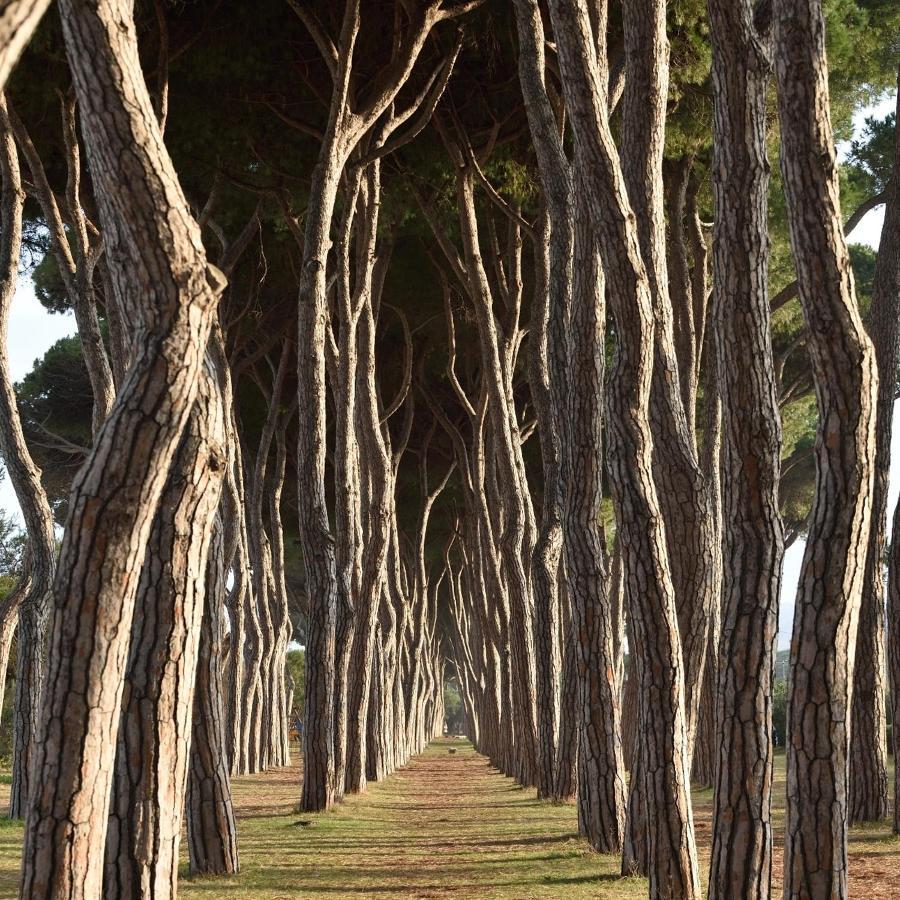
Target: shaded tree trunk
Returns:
[[741, 863], [34, 602], [154, 736], [648, 581], [831, 579], [868, 737], [212, 835], [168, 292]]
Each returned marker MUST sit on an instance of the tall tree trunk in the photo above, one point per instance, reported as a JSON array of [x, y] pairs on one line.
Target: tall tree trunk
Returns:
[[212, 836], [601, 767], [549, 373], [157, 703], [168, 292], [648, 582], [831, 579], [868, 734], [25, 477], [887, 286], [741, 863]]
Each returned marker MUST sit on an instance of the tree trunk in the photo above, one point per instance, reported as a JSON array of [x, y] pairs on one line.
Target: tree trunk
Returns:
[[741, 863], [18, 19], [548, 376], [25, 477], [157, 704], [868, 735], [831, 579], [648, 582], [212, 836], [887, 289], [168, 292]]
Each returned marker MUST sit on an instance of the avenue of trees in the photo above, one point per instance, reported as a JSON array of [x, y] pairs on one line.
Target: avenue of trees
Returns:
[[497, 344]]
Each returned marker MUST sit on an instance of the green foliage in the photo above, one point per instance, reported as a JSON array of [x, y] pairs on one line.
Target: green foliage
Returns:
[[296, 666], [454, 714], [55, 402], [872, 155]]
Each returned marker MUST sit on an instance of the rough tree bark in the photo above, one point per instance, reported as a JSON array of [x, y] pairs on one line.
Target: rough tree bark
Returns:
[[868, 739], [648, 582], [157, 703], [212, 834], [741, 864], [887, 275], [25, 478], [549, 371], [831, 579], [168, 291]]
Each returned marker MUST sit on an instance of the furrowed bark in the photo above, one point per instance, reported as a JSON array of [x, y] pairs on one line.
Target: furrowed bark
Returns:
[[25, 477], [168, 291], [868, 740], [154, 736], [741, 863], [549, 372], [828, 597], [212, 835], [887, 285], [601, 767], [648, 581]]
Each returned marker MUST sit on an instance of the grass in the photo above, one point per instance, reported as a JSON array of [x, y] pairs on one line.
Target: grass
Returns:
[[445, 826]]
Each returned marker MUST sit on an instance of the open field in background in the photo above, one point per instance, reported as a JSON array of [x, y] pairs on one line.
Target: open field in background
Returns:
[[445, 826]]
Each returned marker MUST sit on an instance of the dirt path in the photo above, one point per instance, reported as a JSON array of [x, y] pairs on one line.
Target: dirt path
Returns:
[[445, 826]]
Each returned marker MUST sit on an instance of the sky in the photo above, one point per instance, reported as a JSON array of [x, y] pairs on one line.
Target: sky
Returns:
[[32, 331]]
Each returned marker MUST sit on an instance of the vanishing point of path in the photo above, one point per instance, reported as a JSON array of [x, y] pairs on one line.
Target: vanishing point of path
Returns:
[[446, 825]]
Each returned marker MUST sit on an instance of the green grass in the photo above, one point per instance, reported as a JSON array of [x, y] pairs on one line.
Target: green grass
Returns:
[[445, 826]]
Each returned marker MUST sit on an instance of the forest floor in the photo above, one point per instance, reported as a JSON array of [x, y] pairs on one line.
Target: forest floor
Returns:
[[447, 825]]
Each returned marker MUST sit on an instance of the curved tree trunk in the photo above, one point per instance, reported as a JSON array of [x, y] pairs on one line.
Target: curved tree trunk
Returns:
[[549, 362], [157, 704], [169, 292], [741, 863], [212, 836], [601, 193], [831, 579], [887, 286], [18, 19], [868, 738], [25, 477]]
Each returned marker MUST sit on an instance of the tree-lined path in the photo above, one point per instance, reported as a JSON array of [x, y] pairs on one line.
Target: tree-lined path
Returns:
[[446, 825], [451, 366]]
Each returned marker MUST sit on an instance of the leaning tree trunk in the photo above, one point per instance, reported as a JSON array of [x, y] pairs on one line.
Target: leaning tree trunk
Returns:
[[9, 615], [601, 767], [212, 835], [831, 579], [648, 582], [169, 292], [887, 286], [25, 478], [548, 374], [741, 863], [868, 741], [157, 704], [18, 19]]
